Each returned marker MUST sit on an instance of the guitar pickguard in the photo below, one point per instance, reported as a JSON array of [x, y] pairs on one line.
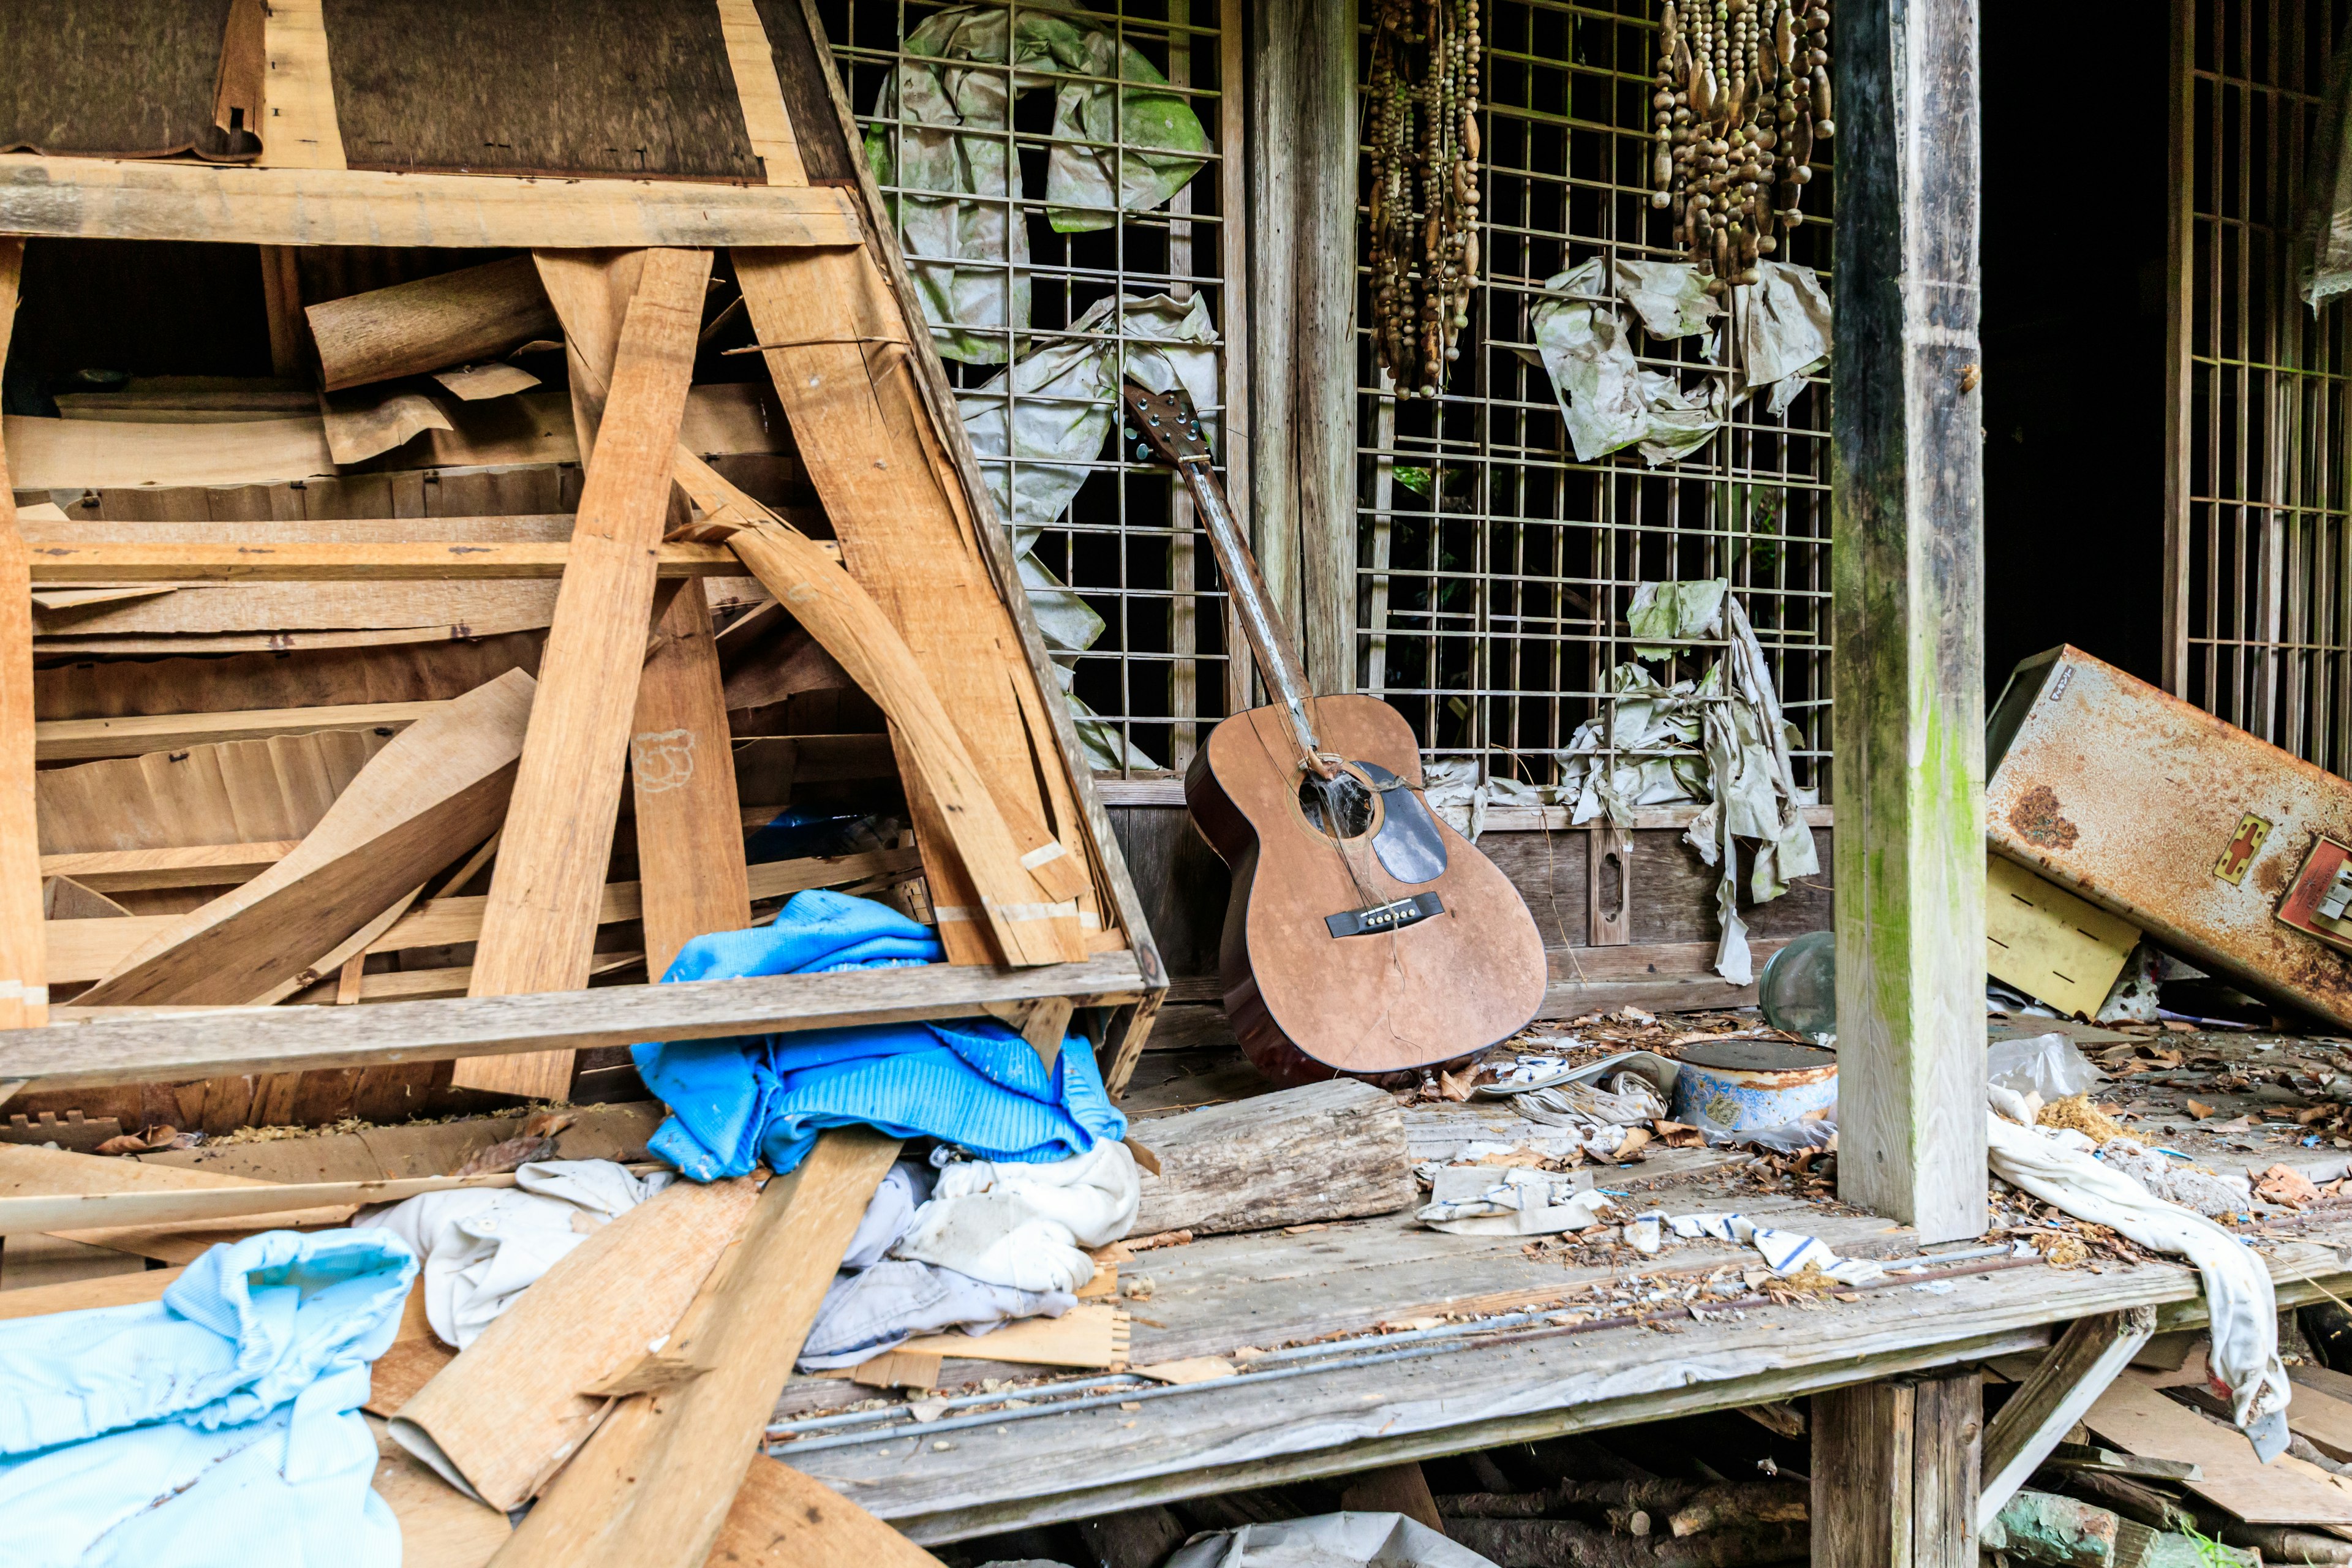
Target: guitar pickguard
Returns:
[[1408, 843]]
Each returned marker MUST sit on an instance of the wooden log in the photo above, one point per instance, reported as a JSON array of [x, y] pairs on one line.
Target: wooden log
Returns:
[[431, 323], [438, 789], [96, 198], [2042, 1527], [1133, 1538], [2054, 1396], [1906, 605], [2279, 1545], [1730, 1504], [504, 1417], [23, 978], [1894, 1473], [189, 1045], [1551, 1542], [1392, 1488], [538, 928], [2143, 1505], [1322, 1151], [411, 559], [653, 1487], [782, 1519]]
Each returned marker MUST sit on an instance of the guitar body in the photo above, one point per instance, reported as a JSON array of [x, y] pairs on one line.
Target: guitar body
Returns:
[[1395, 945]]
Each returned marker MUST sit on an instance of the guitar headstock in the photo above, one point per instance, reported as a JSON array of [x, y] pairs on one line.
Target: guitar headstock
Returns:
[[1166, 423]]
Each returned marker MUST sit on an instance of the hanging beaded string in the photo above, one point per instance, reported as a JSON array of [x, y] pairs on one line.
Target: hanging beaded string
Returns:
[[1743, 94], [1423, 135]]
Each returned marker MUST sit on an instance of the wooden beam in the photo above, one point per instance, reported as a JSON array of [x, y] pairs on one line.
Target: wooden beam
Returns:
[[1895, 1473], [538, 928], [235, 561], [652, 1489], [99, 198], [438, 790], [2057, 1393], [187, 1046], [1908, 610], [24, 976]]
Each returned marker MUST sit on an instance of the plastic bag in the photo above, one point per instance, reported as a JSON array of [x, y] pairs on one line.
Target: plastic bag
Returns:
[[2048, 1065]]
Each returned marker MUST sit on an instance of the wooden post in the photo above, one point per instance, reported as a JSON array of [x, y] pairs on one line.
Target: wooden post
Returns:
[[1895, 1473], [1302, 375], [1907, 569], [23, 973]]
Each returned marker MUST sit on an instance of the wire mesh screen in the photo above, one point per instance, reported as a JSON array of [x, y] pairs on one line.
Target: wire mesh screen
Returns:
[[2261, 608], [1494, 568], [1061, 186]]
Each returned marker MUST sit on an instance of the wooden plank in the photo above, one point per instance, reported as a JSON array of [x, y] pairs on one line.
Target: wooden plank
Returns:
[[437, 789], [81, 740], [430, 324], [440, 1527], [2060, 1389], [754, 64], [906, 536], [299, 127], [23, 1215], [23, 980], [96, 198], [2322, 1417], [1091, 1334], [1909, 660], [81, 1295], [538, 928], [655, 1484], [239, 560], [2133, 1416], [782, 1519], [87, 949]]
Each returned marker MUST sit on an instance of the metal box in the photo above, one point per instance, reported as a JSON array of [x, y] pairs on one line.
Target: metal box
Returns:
[[2221, 847]]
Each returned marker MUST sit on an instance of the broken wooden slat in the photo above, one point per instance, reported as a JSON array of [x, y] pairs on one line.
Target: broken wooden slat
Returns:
[[2133, 1416], [1094, 1334], [239, 560], [503, 1416], [24, 979], [430, 324], [753, 65], [26, 1214], [299, 127], [438, 788], [782, 1519], [2054, 1397], [538, 926], [100, 199], [654, 1486], [205, 866], [80, 740]]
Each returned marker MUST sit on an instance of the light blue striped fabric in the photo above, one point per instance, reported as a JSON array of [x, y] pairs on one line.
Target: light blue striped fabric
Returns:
[[762, 1098], [217, 1426]]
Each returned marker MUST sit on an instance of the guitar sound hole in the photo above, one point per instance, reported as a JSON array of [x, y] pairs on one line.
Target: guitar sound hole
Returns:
[[1340, 807]]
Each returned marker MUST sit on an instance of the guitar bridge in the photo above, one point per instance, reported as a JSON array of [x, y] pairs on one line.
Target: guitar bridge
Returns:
[[1376, 917]]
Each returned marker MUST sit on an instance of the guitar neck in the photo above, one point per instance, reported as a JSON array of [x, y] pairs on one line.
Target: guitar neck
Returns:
[[1276, 659]]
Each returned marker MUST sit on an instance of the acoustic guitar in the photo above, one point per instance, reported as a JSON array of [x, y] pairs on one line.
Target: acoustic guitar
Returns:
[[1365, 936]]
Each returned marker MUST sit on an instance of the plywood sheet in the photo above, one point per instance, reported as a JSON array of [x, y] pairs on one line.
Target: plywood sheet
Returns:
[[240, 791], [2137, 1418]]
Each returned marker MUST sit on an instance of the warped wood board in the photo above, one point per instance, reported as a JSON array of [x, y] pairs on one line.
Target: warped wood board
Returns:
[[863, 431], [430, 324], [2133, 1416], [63, 899], [207, 1044], [23, 982], [1091, 1334], [81, 1295], [95, 198], [298, 129], [538, 926], [438, 788], [238, 560], [654, 1485], [87, 949], [28, 1214], [782, 1519], [503, 1416], [337, 675], [1009, 897], [440, 1527], [689, 837], [497, 379], [369, 421], [239, 792], [79, 739], [2320, 1416], [264, 608]]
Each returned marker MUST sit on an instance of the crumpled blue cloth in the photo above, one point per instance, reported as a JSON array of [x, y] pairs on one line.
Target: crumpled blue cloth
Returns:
[[219, 1425], [755, 1099]]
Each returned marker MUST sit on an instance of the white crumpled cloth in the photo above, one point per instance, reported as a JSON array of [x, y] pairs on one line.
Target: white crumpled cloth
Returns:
[[2238, 1296], [1025, 1226], [1517, 1200], [1784, 1252], [483, 1247]]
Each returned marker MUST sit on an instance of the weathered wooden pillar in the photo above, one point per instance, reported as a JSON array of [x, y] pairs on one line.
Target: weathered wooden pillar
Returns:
[[1895, 1472], [1301, 421], [1908, 568]]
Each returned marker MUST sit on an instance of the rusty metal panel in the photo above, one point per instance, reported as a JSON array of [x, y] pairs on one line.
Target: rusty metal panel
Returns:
[[2190, 828]]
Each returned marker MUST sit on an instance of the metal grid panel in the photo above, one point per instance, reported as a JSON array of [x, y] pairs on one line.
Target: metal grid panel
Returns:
[[2261, 609], [1128, 544], [1493, 590]]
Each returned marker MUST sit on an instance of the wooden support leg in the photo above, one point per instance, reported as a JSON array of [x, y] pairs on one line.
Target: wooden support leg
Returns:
[[1907, 568], [1895, 1473], [24, 958], [2068, 1381]]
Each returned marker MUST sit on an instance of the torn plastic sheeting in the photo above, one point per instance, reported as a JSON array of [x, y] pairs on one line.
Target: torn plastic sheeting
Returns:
[[940, 134], [1658, 760], [1455, 791], [1038, 428], [1784, 331], [1607, 400], [1685, 610], [1328, 1541], [2239, 1299], [1785, 1252]]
